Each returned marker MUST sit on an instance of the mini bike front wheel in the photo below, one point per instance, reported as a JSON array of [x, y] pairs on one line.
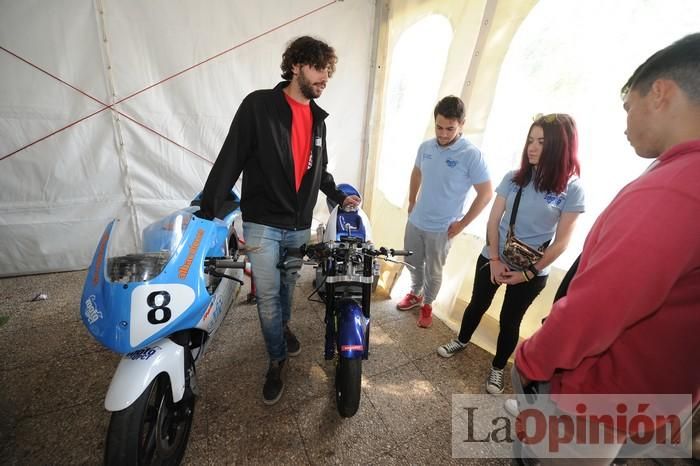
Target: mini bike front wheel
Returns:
[[153, 430], [348, 384]]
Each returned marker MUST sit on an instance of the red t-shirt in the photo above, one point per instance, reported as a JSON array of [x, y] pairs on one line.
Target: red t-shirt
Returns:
[[300, 137]]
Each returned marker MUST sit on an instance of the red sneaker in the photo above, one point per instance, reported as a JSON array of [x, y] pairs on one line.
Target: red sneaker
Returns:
[[409, 302], [426, 316]]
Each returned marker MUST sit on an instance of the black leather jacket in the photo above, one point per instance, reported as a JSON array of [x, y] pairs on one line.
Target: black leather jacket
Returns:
[[258, 144]]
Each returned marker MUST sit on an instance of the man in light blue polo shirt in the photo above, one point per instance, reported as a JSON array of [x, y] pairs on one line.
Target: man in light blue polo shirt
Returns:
[[446, 167]]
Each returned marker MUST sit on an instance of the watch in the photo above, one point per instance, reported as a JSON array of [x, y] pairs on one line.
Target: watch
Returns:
[[534, 270]]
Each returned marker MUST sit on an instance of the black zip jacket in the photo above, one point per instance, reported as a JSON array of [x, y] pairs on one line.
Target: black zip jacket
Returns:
[[259, 145]]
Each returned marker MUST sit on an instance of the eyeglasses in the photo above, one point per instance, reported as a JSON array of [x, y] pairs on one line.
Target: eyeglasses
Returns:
[[551, 118]]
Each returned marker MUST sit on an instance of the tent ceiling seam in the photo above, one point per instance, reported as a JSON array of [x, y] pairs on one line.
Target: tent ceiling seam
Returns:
[[116, 122], [484, 29]]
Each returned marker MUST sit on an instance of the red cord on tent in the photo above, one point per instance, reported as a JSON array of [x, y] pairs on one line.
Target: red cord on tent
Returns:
[[111, 107], [105, 107]]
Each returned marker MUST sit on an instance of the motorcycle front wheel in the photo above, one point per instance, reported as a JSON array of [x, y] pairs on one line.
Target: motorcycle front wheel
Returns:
[[153, 430], [348, 384]]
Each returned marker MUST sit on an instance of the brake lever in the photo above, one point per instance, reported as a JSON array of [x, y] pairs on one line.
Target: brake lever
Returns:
[[212, 270], [398, 262]]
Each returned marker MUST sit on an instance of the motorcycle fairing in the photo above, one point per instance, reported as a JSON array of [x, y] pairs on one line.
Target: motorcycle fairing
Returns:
[[92, 305], [352, 329], [342, 224], [159, 306], [137, 369]]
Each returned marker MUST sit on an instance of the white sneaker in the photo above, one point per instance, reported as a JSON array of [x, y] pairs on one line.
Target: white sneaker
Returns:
[[511, 407], [494, 384], [450, 349]]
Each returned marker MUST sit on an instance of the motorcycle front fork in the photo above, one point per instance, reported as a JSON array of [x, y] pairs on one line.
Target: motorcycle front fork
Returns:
[[334, 318]]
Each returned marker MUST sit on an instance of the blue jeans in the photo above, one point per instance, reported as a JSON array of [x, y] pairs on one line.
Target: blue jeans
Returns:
[[274, 288]]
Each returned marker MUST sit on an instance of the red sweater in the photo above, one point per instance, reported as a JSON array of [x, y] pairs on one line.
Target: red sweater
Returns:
[[631, 320]]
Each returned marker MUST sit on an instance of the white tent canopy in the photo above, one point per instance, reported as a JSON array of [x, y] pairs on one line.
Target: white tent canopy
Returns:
[[118, 108]]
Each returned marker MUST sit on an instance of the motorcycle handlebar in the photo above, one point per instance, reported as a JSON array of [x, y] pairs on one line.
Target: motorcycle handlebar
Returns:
[[311, 250], [226, 263]]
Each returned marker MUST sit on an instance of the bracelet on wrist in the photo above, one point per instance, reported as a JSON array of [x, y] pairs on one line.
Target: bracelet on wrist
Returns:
[[525, 276], [495, 259]]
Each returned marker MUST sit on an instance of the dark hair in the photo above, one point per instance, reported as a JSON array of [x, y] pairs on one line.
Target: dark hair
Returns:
[[679, 62], [306, 50], [559, 159], [451, 107]]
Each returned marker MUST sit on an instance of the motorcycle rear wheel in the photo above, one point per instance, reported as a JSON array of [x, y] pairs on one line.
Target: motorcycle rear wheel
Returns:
[[348, 385], [153, 430]]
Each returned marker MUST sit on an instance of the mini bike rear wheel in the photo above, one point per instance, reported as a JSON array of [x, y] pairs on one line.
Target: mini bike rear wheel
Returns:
[[153, 430], [348, 384]]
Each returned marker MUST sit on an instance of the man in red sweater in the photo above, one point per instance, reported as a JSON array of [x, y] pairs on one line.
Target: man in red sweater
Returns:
[[630, 323]]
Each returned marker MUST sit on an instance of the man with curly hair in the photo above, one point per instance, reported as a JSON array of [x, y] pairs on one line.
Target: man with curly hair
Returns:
[[277, 140]]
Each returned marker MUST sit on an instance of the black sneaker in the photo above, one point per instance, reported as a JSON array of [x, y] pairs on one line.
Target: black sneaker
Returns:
[[451, 348], [494, 384], [293, 345], [274, 383]]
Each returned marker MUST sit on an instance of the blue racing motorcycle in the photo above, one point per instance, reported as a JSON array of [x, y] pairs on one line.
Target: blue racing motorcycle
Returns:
[[346, 274], [159, 304]]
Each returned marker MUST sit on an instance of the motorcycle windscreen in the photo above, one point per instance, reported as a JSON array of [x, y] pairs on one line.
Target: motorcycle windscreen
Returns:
[[147, 294], [158, 242]]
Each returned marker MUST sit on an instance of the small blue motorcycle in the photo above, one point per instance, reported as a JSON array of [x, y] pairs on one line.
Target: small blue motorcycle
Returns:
[[159, 300], [346, 274]]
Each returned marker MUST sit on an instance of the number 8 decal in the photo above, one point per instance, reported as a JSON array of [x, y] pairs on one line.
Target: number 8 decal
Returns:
[[154, 307], [153, 314]]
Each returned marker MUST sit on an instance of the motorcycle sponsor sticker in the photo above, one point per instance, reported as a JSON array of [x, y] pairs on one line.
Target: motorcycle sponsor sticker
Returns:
[[212, 306], [218, 306], [92, 314], [185, 267], [352, 347], [153, 307], [144, 354], [346, 226]]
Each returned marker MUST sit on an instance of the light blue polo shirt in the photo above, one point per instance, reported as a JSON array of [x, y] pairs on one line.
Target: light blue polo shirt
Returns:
[[447, 174], [538, 212]]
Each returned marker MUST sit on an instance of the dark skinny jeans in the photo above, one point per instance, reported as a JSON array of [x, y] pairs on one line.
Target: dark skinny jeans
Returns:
[[516, 301]]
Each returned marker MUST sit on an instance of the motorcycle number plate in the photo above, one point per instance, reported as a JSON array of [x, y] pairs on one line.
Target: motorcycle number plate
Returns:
[[154, 307]]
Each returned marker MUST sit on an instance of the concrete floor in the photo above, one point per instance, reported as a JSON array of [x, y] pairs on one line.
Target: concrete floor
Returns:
[[54, 378]]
